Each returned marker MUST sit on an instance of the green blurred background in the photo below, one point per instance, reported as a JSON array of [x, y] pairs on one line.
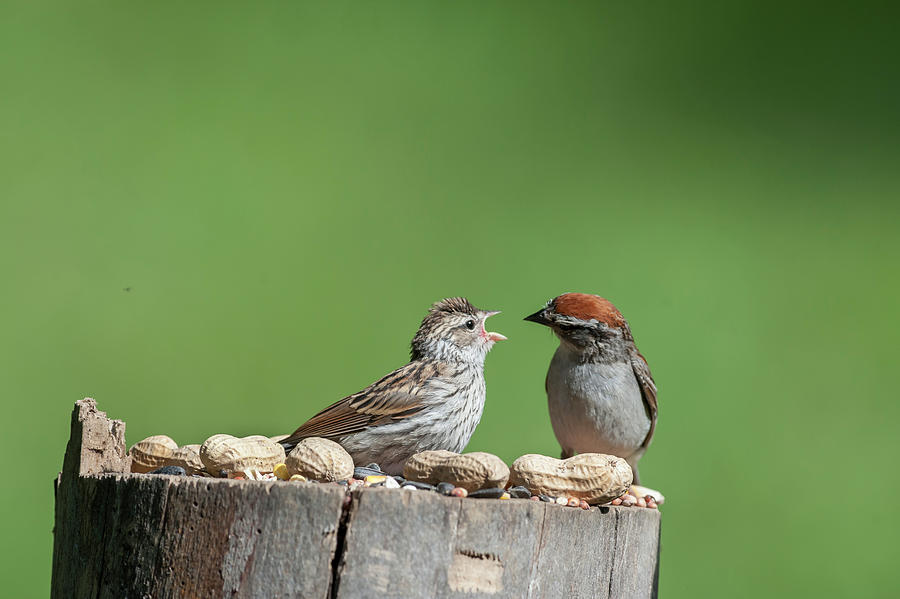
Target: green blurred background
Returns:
[[222, 217]]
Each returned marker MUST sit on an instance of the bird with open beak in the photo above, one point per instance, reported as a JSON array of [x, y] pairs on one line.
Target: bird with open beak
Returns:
[[434, 402]]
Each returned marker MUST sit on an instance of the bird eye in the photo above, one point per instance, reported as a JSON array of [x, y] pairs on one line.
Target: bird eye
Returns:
[[470, 324]]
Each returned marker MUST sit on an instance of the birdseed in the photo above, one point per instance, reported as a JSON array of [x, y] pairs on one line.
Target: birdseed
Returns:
[[170, 470], [493, 493], [519, 492]]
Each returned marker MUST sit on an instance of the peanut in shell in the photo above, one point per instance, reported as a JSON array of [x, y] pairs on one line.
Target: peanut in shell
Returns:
[[152, 453], [595, 477], [232, 454], [188, 457], [471, 471], [320, 459]]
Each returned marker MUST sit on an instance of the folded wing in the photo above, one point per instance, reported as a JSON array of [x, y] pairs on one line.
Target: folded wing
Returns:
[[393, 398]]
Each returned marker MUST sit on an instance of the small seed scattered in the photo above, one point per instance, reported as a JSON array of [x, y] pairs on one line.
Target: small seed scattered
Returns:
[[409, 488], [374, 479], [281, 472], [298, 478], [420, 486], [492, 493], [444, 488], [362, 473], [652, 505], [645, 492], [373, 466], [505, 496], [629, 501], [519, 492], [535, 498], [616, 501], [641, 502], [171, 470], [585, 505], [545, 498], [459, 492], [574, 502], [561, 501], [390, 483]]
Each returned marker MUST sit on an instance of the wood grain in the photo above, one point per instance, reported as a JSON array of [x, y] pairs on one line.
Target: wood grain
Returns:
[[129, 535]]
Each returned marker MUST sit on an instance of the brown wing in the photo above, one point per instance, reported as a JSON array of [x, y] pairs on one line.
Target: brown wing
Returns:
[[391, 399], [648, 390], [646, 383]]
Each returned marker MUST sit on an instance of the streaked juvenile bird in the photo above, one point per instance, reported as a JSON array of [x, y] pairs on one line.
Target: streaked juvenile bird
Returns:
[[434, 402], [601, 395]]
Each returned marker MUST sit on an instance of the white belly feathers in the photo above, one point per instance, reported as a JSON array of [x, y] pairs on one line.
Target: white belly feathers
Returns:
[[613, 420]]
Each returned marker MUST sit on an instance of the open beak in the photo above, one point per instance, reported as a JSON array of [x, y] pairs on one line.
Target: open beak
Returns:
[[539, 317], [493, 336]]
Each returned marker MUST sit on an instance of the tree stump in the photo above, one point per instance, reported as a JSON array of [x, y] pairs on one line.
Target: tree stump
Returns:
[[152, 536]]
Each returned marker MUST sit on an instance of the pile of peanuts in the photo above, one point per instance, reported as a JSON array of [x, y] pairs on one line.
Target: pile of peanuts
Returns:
[[580, 481]]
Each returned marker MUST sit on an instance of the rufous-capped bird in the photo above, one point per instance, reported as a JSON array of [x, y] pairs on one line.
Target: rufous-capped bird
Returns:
[[600, 392]]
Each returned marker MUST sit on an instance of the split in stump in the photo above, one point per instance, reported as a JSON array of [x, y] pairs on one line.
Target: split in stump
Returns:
[[134, 535]]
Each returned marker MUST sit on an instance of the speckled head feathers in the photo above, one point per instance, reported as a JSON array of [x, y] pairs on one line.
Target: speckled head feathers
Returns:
[[454, 304], [453, 328]]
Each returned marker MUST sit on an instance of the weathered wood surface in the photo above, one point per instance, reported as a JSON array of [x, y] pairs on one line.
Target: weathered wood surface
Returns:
[[427, 545], [127, 535]]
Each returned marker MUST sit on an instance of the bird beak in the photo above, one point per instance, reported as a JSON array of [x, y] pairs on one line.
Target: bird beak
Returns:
[[493, 336], [539, 317]]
